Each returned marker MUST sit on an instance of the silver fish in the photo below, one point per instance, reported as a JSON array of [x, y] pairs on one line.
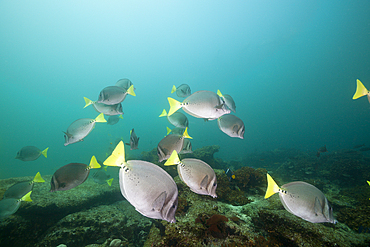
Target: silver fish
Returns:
[[19, 190], [113, 95], [148, 188], [9, 206], [134, 140], [112, 120], [231, 125], [30, 153], [109, 110], [170, 143], [182, 91], [177, 119], [196, 174], [80, 128], [201, 104], [101, 177], [303, 200]]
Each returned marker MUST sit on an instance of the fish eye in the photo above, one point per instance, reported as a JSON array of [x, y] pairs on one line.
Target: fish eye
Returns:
[[214, 184]]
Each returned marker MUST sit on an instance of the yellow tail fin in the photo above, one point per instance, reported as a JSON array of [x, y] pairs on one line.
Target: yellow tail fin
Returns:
[[27, 197], [94, 163], [272, 187], [88, 102], [168, 130], [360, 90], [219, 93], [163, 114], [173, 159], [38, 178], [120, 116], [100, 118], [174, 106], [368, 182], [117, 158], [109, 181], [130, 90], [105, 167], [186, 135], [173, 89], [45, 152]]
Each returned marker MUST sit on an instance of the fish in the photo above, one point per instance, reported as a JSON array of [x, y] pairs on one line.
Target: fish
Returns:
[[231, 125], [196, 174], [303, 200], [323, 149], [112, 120], [229, 173], [359, 146], [146, 186], [69, 176], [229, 101], [124, 83], [170, 143], [201, 104], [176, 131], [186, 147], [80, 128], [134, 140], [182, 91], [101, 177], [19, 190], [9, 206], [361, 91], [31, 153], [113, 95], [177, 119], [364, 149], [109, 110]]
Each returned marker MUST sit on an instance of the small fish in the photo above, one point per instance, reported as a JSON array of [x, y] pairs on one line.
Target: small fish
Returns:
[[124, 83], [229, 173], [177, 119], [170, 143], [134, 140], [80, 128], [229, 101], [150, 189], [19, 190], [201, 104], [361, 91], [30, 153], [182, 91], [323, 149], [231, 125], [112, 120], [69, 176], [109, 110], [113, 95], [303, 200], [101, 177], [9, 206], [196, 174]]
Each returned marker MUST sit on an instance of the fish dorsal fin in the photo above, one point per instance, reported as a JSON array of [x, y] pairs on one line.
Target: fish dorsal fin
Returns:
[[173, 89], [159, 201], [173, 159], [164, 113], [168, 130], [204, 182], [318, 207], [219, 93], [100, 118], [27, 197], [94, 163], [45, 152], [360, 90], [109, 181], [272, 187], [185, 134], [120, 116], [38, 178], [174, 106], [88, 102], [117, 158], [130, 90]]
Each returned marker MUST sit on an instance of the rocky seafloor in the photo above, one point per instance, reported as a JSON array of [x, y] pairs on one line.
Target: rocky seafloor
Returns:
[[98, 215]]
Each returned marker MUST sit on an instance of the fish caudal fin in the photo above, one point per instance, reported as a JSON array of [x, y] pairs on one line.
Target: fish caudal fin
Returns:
[[88, 102], [117, 158], [109, 181], [173, 159], [163, 114], [186, 135], [219, 93], [38, 178], [173, 89], [168, 130], [272, 187], [174, 106], [45, 152], [94, 163], [100, 118], [27, 197], [130, 90], [120, 116], [105, 167], [368, 182], [360, 90]]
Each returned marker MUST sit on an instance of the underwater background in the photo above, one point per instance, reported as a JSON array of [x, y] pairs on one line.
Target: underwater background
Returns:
[[290, 66]]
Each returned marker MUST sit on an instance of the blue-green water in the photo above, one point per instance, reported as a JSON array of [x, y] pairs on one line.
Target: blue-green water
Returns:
[[290, 66]]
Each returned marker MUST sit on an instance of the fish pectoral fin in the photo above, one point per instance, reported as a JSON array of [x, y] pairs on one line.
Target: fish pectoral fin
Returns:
[[204, 182], [318, 207], [159, 202]]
